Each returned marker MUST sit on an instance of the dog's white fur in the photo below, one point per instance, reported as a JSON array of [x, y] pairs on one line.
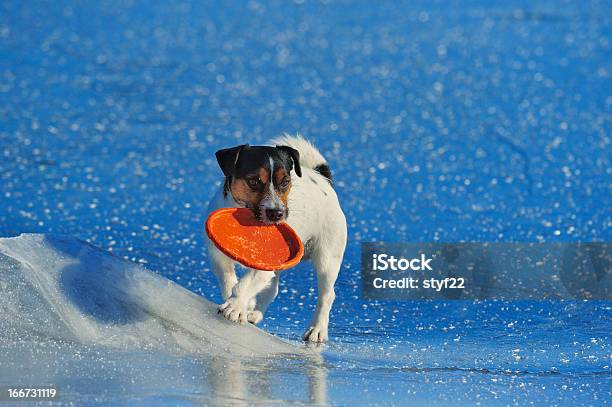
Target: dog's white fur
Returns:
[[316, 216]]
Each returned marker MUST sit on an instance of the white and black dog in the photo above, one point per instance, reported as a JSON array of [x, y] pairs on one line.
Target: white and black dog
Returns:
[[287, 181]]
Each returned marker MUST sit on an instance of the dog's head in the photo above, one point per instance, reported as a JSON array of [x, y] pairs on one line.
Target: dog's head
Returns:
[[259, 178]]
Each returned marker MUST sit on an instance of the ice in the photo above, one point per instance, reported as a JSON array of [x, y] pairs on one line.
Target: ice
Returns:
[[106, 330], [442, 121], [81, 319], [64, 289]]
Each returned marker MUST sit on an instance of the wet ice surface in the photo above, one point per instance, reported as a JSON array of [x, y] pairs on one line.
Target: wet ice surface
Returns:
[[441, 122], [102, 328]]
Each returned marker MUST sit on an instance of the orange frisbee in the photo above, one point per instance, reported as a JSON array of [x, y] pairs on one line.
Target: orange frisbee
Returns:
[[255, 244]]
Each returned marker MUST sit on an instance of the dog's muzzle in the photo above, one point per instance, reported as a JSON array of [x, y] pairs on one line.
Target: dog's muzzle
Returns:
[[271, 215], [275, 215]]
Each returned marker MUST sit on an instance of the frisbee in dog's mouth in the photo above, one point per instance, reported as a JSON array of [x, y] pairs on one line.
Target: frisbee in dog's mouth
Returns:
[[253, 243]]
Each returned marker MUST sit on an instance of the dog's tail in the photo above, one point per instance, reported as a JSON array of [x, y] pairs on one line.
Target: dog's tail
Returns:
[[310, 156]]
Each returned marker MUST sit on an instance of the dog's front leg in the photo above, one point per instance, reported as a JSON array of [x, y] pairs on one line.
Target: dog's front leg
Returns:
[[328, 267], [236, 308], [264, 299], [223, 268]]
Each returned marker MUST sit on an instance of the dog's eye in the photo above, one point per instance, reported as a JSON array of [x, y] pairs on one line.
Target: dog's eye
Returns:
[[285, 183], [253, 182]]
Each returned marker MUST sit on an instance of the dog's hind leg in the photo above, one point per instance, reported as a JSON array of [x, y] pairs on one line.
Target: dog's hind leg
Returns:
[[328, 267]]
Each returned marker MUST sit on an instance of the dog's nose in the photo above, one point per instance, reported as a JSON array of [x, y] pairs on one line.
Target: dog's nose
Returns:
[[274, 214]]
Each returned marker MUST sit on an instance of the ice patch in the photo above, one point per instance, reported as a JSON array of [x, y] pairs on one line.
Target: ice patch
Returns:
[[63, 289]]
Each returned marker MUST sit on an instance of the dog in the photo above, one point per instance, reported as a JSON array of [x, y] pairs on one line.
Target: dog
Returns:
[[287, 181]]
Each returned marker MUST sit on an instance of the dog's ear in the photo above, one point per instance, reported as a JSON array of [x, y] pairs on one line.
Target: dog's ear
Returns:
[[295, 156], [228, 157]]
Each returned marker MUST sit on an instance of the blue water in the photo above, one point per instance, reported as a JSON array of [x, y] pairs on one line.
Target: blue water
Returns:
[[443, 122]]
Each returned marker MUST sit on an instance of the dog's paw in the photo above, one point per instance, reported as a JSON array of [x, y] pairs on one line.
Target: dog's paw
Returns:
[[234, 310], [316, 334], [254, 317]]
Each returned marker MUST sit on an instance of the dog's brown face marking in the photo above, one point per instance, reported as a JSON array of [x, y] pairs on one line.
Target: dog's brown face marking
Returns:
[[259, 178], [251, 189], [282, 183]]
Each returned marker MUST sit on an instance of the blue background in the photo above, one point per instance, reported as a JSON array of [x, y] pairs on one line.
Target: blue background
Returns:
[[442, 121]]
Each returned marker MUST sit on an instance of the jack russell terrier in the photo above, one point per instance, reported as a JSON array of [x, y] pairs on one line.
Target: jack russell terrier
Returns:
[[289, 181]]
